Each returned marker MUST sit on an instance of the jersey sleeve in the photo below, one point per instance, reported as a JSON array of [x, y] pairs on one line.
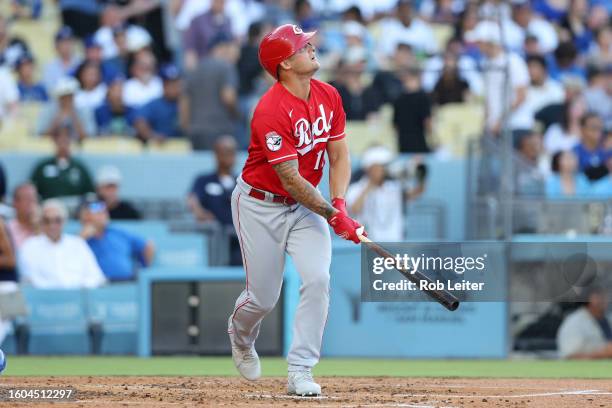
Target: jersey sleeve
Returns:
[[275, 138], [339, 119]]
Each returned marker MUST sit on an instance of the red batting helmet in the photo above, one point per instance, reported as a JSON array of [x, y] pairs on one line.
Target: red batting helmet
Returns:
[[280, 44]]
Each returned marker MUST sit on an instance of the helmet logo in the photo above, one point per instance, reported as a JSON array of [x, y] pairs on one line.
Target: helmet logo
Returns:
[[297, 30]]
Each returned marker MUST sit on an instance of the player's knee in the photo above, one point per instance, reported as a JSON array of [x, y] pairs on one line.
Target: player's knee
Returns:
[[317, 281], [266, 306]]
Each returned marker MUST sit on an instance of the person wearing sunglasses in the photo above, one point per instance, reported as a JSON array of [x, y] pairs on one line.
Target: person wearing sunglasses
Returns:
[[56, 260]]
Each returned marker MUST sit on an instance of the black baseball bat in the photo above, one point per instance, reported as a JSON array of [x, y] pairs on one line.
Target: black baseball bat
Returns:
[[445, 298]]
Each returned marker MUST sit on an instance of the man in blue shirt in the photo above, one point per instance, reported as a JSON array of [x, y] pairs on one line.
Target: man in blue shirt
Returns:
[[117, 251], [210, 195], [590, 152], [29, 89], [159, 119]]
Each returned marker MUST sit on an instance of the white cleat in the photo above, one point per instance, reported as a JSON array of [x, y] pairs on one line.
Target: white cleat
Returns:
[[245, 360], [301, 383]]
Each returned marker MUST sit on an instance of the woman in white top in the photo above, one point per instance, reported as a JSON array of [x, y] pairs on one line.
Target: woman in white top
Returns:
[[93, 91]]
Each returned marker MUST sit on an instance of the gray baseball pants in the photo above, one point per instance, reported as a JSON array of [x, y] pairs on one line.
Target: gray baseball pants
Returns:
[[267, 231]]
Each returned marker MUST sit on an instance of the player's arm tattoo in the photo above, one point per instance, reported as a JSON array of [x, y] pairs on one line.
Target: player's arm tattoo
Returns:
[[301, 190]]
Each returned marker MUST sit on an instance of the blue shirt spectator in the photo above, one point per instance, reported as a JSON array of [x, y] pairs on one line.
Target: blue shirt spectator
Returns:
[[29, 89], [590, 151], [159, 119], [118, 252], [113, 117]]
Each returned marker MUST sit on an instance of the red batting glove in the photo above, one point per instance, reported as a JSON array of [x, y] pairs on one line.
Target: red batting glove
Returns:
[[340, 204], [345, 227]]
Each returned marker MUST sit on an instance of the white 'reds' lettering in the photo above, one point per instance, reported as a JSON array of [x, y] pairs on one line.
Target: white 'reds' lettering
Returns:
[[308, 135]]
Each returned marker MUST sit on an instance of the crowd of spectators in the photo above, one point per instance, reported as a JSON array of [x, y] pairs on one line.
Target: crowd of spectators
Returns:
[[156, 70]]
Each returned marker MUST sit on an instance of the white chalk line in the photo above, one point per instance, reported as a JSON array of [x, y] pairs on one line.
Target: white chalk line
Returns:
[[322, 397], [541, 394]]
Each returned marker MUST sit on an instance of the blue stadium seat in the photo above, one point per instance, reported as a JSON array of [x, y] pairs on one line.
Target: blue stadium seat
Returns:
[[115, 309], [57, 321], [181, 250]]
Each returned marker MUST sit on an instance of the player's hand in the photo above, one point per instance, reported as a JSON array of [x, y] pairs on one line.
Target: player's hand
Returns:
[[345, 227], [340, 204]]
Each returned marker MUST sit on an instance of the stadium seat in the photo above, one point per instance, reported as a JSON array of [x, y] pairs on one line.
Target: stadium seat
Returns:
[[111, 145], [115, 309], [363, 134], [181, 250], [57, 321], [454, 125]]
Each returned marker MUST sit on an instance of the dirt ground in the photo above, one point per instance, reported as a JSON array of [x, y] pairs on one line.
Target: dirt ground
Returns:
[[338, 392]]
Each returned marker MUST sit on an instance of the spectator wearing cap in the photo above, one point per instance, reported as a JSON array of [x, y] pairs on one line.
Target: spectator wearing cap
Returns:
[[118, 64], [66, 60], [203, 30], [93, 55], [210, 96], [114, 25], [565, 180], [118, 252], [412, 114], [405, 27], [63, 112], [376, 200], [108, 183], [113, 117], [29, 89], [585, 333], [61, 175], [56, 260], [590, 151], [158, 120], [92, 90], [144, 86], [497, 62], [81, 16], [26, 223], [11, 47]]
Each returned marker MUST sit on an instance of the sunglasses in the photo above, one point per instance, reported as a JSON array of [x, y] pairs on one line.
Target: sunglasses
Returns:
[[52, 220], [96, 207]]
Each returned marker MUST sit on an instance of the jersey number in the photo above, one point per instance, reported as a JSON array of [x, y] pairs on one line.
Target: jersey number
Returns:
[[319, 162]]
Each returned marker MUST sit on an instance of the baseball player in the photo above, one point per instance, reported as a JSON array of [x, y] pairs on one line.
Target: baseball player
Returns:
[[277, 209]]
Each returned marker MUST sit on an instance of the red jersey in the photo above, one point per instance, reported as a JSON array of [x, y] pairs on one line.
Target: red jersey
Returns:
[[285, 127]]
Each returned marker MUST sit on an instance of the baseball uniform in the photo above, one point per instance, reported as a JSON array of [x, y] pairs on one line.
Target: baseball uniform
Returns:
[[270, 224]]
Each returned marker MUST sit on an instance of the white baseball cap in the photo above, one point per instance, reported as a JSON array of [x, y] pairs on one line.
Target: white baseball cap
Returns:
[[137, 39], [108, 175], [485, 31], [376, 155], [66, 86], [353, 29]]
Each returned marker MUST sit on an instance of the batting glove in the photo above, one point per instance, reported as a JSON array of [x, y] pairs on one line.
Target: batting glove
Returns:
[[340, 204], [345, 227]]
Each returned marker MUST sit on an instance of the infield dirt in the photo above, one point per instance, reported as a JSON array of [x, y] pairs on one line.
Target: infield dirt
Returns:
[[338, 392]]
